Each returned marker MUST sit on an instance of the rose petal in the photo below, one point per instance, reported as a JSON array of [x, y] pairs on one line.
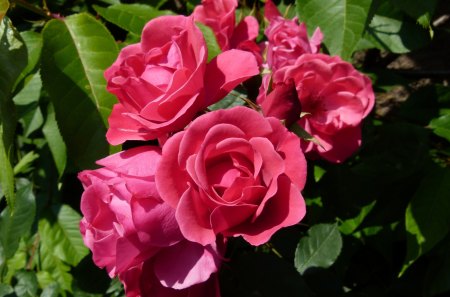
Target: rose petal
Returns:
[[189, 220], [226, 71], [195, 264]]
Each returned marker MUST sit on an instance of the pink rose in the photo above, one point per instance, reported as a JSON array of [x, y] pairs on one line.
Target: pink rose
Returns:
[[220, 16], [165, 80], [126, 223], [233, 172], [140, 281], [334, 98], [287, 40]]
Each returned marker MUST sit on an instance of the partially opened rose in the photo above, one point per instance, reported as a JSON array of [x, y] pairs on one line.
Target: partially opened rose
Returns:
[[165, 80], [233, 172], [334, 98], [287, 39], [126, 223]]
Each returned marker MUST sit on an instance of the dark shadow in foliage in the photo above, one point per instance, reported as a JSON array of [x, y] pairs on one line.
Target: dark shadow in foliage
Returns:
[[324, 282], [89, 278], [261, 275], [423, 105], [388, 170]]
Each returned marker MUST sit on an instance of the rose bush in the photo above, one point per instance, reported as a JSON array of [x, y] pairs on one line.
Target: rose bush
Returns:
[[126, 223], [334, 98], [233, 172], [164, 80], [287, 39]]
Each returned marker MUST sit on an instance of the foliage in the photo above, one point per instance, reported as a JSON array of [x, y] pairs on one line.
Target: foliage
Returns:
[[377, 224]]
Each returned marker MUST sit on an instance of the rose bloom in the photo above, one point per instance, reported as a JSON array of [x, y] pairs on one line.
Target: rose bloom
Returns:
[[333, 96], [165, 80], [126, 224], [287, 39], [233, 172], [220, 16]]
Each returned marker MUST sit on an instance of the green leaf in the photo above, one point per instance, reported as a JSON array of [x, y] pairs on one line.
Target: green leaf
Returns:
[[25, 163], [232, 99], [13, 58], [350, 225], [300, 132], [17, 262], [27, 104], [14, 225], [4, 5], [441, 126], [320, 248], [53, 268], [55, 140], [27, 284], [5, 290], [76, 52], [427, 217], [130, 17], [62, 233], [341, 21], [396, 35], [52, 290], [33, 42], [211, 41]]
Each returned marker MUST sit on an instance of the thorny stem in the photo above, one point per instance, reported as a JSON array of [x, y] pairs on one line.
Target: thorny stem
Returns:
[[248, 101], [33, 252], [273, 250], [37, 10]]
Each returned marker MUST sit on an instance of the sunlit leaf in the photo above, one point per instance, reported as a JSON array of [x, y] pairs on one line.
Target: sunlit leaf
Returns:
[[130, 17], [441, 126], [320, 248], [350, 225], [61, 231], [211, 41], [76, 51], [341, 21], [55, 269], [33, 41]]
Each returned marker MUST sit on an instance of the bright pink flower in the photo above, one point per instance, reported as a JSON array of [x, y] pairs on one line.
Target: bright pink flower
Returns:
[[220, 16], [233, 172], [126, 223], [140, 281], [164, 80], [334, 97], [287, 39]]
